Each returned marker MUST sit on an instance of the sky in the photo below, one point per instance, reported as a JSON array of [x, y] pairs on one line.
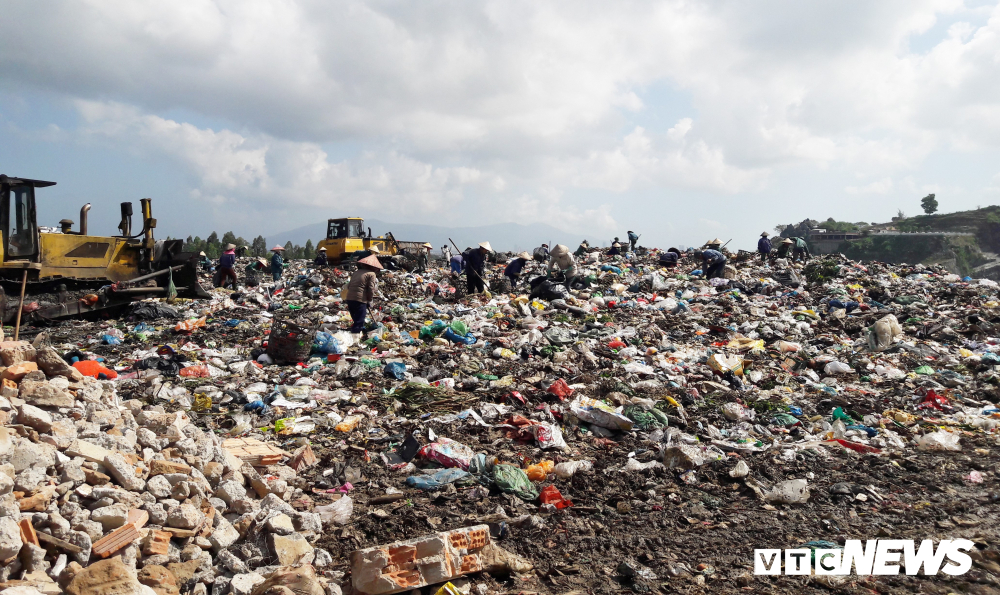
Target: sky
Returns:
[[680, 120]]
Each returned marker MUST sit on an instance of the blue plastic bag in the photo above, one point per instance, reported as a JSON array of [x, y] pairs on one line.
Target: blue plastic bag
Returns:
[[454, 337], [326, 343], [395, 370], [436, 480], [110, 340], [607, 267]]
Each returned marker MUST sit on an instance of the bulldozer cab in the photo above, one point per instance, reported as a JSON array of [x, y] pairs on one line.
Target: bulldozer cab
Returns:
[[351, 227], [18, 219]]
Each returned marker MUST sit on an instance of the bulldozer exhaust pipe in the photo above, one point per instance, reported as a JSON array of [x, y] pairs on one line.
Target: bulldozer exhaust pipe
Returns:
[[83, 218], [148, 223]]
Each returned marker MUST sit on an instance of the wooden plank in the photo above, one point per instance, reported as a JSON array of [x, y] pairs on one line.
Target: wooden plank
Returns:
[[59, 543]]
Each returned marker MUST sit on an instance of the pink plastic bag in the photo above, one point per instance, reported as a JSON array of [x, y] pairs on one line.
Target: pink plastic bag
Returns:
[[448, 452]]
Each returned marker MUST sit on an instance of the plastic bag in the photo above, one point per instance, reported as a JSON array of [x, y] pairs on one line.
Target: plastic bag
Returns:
[[883, 333], [550, 495], [199, 371], [454, 337], [600, 414], [560, 389], [326, 343], [190, 325], [646, 419], [512, 480], [350, 422], [941, 440], [737, 412], [436, 480], [539, 471], [548, 435], [837, 368], [722, 363], [338, 513], [448, 452], [395, 370], [570, 468], [95, 369], [793, 491]]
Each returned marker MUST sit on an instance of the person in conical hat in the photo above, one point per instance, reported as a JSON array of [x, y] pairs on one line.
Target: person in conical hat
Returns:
[[475, 263], [764, 246], [563, 262], [277, 263], [320, 260], [361, 291], [514, 268]]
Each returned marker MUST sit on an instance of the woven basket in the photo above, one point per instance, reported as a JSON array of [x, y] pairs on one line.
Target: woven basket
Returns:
[[289, 343]]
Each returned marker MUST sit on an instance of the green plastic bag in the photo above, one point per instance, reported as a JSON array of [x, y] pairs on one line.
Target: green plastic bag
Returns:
[[839, 413], [459, 327], [924, 370], [512, 480], [646, 419], [171, 288]]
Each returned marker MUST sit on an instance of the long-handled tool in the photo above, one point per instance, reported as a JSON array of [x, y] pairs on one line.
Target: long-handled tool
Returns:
[[20, 305], [486, 283]]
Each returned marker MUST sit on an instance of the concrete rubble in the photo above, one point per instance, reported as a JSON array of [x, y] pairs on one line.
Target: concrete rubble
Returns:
[[605, 437]]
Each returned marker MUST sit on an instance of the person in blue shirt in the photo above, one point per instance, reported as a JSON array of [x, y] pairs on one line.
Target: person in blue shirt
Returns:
[[457, 264], [764, 246], [670, 258], [713, 263], [632, 239], [513, 269], [277, 263], [227, 267]]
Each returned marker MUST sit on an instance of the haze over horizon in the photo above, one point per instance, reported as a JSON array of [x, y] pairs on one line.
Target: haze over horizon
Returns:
[[680, 120]]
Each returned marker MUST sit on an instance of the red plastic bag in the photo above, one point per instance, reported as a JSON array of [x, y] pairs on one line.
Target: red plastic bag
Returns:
[[616, 344], [94, 369], [560, 389], [196, 372], [551, 495]]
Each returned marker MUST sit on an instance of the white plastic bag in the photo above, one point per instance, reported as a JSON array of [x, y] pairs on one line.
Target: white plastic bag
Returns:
[[883, 333], [548, 435], [941, 440], [793, 491], [570, 468], [338, 513], [837, 368]]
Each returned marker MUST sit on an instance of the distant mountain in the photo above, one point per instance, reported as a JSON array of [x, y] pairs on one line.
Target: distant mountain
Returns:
[[502, 236]]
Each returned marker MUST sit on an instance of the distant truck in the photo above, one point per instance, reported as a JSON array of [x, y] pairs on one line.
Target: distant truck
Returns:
[[346, 240]]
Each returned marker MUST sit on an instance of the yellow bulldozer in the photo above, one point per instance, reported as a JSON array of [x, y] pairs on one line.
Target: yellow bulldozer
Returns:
[[346, 240], [73, 273]]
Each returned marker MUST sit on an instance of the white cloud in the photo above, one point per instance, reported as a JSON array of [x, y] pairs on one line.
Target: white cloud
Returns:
[[561, 109], [883, 186]]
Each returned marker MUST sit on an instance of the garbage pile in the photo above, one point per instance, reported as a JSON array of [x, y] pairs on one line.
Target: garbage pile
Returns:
[[642, 429]]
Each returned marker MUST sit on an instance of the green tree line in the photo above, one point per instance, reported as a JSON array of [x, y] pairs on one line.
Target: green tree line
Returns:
[[212, 246]]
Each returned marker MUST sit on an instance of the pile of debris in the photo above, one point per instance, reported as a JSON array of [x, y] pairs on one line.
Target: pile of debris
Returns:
[[642, 429]]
